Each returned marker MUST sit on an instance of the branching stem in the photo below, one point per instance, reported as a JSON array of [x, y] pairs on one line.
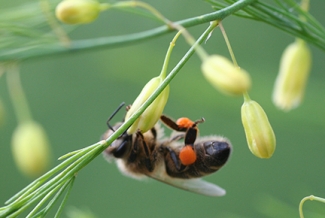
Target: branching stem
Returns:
[[106, 42]]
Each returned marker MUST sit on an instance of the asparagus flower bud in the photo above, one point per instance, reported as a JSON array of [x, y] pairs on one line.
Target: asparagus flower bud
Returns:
[[259, 133], [293, 75], [79, 11], [30, 148], [225, 76], [152, 114]]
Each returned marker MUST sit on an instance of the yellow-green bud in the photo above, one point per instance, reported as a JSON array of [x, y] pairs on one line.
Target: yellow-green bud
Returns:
[[259, 133], [152, 114], [74, 212], [78, 11], [293, 75], [225, 76], [31, 149]]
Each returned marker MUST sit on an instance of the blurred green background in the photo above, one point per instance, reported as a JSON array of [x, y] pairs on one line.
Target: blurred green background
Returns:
[[72, 96]]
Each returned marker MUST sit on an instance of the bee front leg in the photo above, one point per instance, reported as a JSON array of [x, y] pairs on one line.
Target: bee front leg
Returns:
[[172, 124], [140, 142]]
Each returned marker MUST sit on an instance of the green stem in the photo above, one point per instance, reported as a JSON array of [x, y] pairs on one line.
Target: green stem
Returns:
[[2, 69], [311, 197], [198, 48], [17, 94], [188, 37], [144, 5], [46, 198], [228, 44], [64, 201], [246, 97], [304, 5], [106, 42], [167, 57]]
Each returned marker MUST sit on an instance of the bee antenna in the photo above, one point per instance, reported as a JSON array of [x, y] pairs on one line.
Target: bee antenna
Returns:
[[113, 114]]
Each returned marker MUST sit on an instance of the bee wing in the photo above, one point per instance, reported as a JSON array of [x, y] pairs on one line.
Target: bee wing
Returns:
[[198, 186]]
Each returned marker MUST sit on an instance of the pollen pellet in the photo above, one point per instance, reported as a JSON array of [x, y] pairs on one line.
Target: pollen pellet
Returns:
[[184, 122], [187, 155]]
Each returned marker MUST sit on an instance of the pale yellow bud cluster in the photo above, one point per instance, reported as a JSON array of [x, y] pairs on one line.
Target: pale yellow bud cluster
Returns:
[[293, 75], [225, 76], [31, 148], [259, 133], [78, 11]]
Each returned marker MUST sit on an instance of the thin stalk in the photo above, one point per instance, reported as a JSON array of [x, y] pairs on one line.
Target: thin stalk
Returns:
[[311, 198], [168, 54], [64, 201], [46, 209], [59, 188], [17, 94], [304, 5], [246, 97], [228, 44], [144, 5]]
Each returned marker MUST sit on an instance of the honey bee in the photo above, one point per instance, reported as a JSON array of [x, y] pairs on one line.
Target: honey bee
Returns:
[[170, 160]]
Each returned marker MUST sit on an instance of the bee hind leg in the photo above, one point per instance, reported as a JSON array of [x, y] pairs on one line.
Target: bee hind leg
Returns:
[[173, 161], [190, 136]]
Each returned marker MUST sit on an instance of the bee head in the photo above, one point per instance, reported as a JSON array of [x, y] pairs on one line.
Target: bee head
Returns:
[[218, 151]]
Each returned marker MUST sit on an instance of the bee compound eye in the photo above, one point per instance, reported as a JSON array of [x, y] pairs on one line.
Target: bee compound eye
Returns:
[[219, 150], [122, 145]]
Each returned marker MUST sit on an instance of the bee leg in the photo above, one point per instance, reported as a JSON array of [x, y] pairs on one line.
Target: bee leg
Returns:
[[191, 133], [172, 124], [175, 160], [176, 138], [141, 142], [190, 136], [202, 120], [154, 133]]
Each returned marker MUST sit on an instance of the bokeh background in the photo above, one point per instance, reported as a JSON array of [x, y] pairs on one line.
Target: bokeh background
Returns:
[[72, 95]]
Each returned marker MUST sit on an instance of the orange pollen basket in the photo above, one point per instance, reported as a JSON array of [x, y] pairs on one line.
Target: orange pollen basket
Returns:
[[184, 122], [187, 155]]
